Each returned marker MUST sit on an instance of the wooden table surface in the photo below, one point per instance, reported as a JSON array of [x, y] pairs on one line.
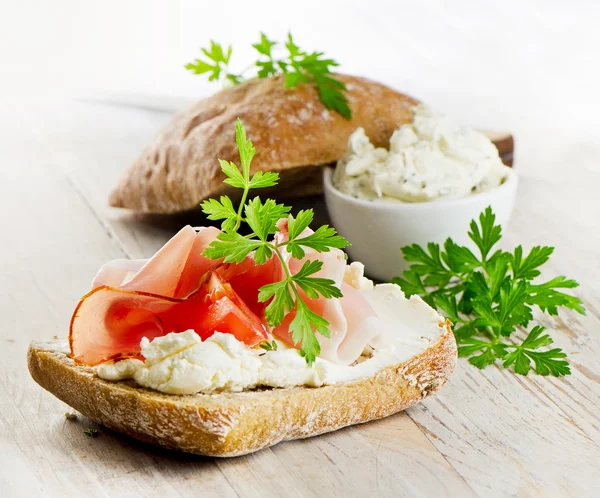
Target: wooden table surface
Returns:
[[487, 433]]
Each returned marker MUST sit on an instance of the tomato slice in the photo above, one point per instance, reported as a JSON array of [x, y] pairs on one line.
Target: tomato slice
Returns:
[[246, 279], [216, 307]]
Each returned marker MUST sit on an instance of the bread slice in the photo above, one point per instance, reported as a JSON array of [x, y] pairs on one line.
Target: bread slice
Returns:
[[231, 424], [291, 129]]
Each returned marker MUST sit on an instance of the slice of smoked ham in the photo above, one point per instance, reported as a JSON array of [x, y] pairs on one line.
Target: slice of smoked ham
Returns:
[[150, 298], [352, 322], [174, 271], [109, 323], [118, 272]]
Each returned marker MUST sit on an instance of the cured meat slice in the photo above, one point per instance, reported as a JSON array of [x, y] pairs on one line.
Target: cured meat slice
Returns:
[[352, 322], [109, 323], [175, 270]]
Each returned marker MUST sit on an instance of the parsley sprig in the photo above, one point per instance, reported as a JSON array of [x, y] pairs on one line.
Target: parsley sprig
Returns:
[[297, 65], [261, 217], [489, 296]]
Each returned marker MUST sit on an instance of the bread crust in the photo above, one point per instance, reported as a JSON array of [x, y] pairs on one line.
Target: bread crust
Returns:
[[290, 128], [232, 424]]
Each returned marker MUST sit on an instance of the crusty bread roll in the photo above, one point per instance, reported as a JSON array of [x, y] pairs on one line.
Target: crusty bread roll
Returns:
[[291, 129], [231, 424]]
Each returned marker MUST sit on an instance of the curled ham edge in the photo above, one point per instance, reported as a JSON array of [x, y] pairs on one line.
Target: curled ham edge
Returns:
[[353, 324], [155, 284]]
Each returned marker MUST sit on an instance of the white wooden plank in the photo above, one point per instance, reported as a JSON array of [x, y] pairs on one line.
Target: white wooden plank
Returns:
[[389, 457]]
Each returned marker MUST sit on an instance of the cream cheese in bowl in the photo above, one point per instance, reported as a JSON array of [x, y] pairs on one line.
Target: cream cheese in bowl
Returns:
[[435, 178], [431, 158]]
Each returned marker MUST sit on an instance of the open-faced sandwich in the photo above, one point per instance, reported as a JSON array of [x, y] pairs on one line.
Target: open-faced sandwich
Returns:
[[228, 341]]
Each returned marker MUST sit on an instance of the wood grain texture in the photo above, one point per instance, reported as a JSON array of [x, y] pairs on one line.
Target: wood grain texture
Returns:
[[487, 433]]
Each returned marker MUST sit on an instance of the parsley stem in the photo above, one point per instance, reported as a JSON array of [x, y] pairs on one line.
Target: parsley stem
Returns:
[[491, 333], [241, 208], [288, 275]]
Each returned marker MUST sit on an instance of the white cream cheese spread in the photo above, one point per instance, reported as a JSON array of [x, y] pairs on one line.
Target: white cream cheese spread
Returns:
[[181, 363], [431, 158]]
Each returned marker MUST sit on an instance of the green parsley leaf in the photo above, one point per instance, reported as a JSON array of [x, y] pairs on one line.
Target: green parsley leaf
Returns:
[[488, 357], [548, 298], [459, 259], [301, 328], [262, 218], [497, 275], [264, 46], [245, 149], [282, 302], [201, 67], [491, 296], [489, 352], [469, 346], [490, 233], [234, 177], [232, 247], [234, 79], [315, 286], [332, 96], [262, 254], [478, 286], [298, 224], [292, 79], [220, 210], [293, 49], [298, 66], [511, 310], [267, 67], [322, 240], [465, 301], [218, 62], [550, 362], [484, 309], [264, 179], [527, 268], [447, 303], [428, 263], [545, 362]]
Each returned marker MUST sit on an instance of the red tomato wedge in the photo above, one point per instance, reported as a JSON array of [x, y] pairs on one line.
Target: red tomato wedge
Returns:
[[246, 279], [216, 308], [109, 323]]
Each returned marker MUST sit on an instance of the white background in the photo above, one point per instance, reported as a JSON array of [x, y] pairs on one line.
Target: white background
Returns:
[[523, 66]]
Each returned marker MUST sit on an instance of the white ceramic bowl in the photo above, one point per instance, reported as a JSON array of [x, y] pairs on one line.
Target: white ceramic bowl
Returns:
[[378, 230]]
